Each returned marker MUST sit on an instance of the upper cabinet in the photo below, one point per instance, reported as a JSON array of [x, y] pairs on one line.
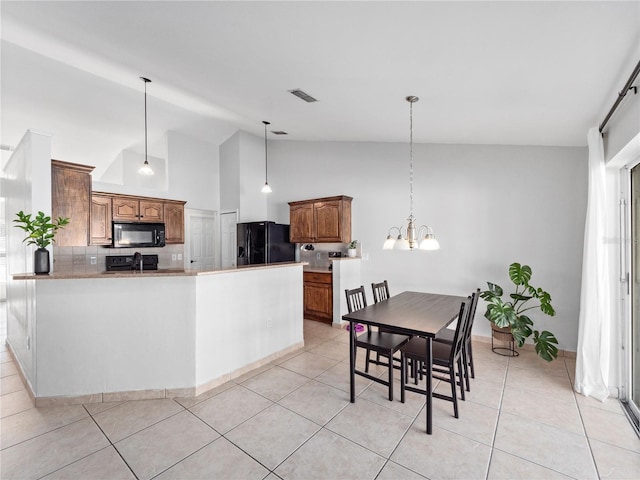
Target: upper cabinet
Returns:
[[137, 209], [101, 217], [174, 221], [321, 220], [109, 207], [71, 198]]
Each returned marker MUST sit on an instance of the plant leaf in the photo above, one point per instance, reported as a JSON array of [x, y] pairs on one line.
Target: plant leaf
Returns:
[[546, 345], [520, 274]]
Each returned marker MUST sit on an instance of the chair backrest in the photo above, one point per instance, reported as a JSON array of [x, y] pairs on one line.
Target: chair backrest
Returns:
[[461, 328], [380, 291], [472, 314], [356, 299]]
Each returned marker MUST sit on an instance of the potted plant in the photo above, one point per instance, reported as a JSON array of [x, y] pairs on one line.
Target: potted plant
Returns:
[[508, 316], [351, 251], [41, 231]]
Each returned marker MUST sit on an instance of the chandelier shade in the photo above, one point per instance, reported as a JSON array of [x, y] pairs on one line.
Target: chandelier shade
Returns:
[[421, 237]]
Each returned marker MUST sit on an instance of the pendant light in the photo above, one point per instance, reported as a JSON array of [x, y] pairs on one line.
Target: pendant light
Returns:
[[266, 188], [145, 169], [423, 238]]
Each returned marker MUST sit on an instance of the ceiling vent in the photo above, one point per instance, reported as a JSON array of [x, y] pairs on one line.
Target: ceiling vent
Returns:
[[279, 132], [303, 95]]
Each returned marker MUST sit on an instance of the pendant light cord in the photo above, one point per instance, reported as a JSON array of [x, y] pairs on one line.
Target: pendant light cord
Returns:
[[266, 156], [410, 159], [145, 121]]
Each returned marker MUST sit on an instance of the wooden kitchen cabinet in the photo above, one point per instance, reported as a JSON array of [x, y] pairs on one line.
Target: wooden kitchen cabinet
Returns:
[[321, 220], [101, 218], [71, 198], [132, 209], [174, 222], [109, 207], [318, 296]]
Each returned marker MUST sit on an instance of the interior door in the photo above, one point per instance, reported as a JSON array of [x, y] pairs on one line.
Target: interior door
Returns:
[[201, 240], [228, 222]]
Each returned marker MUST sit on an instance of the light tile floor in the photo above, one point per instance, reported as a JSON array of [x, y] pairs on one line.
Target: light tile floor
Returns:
[[292, 419]]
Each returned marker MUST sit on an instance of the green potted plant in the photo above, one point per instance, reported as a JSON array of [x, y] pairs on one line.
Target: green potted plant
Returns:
[[351, 251], [508, 316], [41, 231]]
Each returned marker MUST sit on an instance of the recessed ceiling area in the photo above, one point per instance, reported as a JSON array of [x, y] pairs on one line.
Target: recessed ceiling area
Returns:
[[519, 73]]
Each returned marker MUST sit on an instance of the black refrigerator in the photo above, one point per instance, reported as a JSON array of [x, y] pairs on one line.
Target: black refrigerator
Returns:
[[264, 242]]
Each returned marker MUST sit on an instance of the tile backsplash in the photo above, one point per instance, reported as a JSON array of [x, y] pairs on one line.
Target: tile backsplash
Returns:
[[92, 259]]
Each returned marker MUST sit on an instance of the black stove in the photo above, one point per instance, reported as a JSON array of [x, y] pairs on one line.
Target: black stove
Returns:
[[119, 263]]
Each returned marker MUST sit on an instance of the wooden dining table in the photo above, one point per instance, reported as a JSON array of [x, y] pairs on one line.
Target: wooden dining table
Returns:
[[409, 313]]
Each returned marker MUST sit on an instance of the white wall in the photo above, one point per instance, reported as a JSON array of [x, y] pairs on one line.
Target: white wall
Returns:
[[26, 186], [489, 206], [193, 174]]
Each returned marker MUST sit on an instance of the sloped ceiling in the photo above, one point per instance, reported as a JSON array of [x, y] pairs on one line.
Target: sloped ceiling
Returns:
[[534, 73]]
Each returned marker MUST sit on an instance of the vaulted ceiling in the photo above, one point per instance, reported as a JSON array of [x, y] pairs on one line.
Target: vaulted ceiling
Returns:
[[532, 73]]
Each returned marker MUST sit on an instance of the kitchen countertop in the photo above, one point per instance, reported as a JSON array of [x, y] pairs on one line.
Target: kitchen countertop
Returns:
[[162, 272]]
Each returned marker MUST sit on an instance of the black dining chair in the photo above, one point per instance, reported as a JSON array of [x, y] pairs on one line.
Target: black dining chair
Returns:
[[383, 343], [446, 359], [380, 294], [446, 336]]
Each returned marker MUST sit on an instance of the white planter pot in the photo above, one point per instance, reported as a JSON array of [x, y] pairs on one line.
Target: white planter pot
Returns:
[[351, 252]]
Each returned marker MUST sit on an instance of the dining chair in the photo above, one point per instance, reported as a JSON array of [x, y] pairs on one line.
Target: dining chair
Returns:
[[380, 294], [445, 357], [383, 343], [446, 336]]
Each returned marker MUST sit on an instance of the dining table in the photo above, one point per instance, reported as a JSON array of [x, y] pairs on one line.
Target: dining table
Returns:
[[409, 313]]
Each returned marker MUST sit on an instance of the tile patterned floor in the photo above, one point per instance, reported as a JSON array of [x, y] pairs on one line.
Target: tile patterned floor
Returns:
[[292, 419]]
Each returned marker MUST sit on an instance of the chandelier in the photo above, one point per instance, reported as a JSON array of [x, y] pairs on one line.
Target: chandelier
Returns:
[[422, 237]]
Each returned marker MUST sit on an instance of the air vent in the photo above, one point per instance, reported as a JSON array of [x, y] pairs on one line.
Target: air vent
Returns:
[[303, 95], [279, 132]]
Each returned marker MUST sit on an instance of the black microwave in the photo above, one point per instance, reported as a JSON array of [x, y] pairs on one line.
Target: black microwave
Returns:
[[138, 235]]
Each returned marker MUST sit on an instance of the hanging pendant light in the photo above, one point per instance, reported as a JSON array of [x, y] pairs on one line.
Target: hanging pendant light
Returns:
[[145, 169], [422, 238], [266, 188]]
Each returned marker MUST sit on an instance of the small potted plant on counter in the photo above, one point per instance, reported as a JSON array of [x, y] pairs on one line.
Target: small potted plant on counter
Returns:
[[508, 319], [41, 231], [351, 251]]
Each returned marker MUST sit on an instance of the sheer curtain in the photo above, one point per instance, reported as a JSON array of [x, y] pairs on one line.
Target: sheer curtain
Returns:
[[592, 359]]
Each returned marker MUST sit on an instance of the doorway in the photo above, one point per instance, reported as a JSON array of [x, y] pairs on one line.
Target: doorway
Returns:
[[201, 239], [630, 394]]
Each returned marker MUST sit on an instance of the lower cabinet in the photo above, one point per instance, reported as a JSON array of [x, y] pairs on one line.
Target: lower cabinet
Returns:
[[318, 296]]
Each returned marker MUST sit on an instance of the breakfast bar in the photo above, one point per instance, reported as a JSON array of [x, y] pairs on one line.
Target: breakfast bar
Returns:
[[115, 336]]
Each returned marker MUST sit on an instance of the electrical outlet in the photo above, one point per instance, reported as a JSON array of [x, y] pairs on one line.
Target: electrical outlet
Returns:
[[28, 342], [318, 255], [174, 257], [93, 260], [179, 256]]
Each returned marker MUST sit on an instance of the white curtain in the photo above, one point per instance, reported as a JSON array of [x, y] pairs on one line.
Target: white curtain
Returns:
[[592, 359]]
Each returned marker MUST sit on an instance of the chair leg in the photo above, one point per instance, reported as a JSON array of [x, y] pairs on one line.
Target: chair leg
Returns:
[[454, 392], [461, 375], [366, 362], [390, 376], [403, 375], [465, 364], [470, 350]]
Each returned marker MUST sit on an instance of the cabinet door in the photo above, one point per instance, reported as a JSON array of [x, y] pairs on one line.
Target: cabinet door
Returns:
[[71, 198], [125, 209], [301, 220], [151, 211], [101, 220], [327, 221], [174, 222], [318, 302]]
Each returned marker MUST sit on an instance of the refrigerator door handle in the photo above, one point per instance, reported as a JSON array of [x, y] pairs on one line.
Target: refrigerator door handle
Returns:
[[248, 245]]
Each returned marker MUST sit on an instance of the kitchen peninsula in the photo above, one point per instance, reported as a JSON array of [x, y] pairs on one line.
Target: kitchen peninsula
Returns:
[[117, 336]]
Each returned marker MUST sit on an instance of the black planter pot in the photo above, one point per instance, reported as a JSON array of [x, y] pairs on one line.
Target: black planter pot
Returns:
[[41, 261]]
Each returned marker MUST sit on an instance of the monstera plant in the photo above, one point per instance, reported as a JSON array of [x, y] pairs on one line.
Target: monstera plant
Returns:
[[510, 313]]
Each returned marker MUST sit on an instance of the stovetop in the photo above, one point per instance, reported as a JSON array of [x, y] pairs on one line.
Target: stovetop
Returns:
[[119, 263]]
